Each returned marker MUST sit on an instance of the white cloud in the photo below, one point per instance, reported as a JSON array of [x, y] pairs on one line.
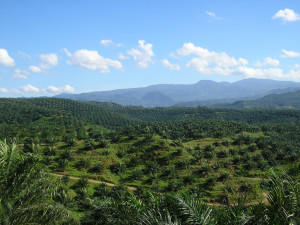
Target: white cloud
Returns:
[[290, 54], [207, 62], [142, 54], [267, 62], [34, 90], [5, 59], [213, 16], [3, 90], [286, 15], [35, 69], [122, 57], [106, 42], [267, 73], [66, 88], [20, 74], [109, 43], [49, 60], [27, 89], [67, 52], [167, 64], [93, 61]]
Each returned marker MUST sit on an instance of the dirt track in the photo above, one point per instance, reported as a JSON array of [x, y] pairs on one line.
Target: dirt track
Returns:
[[93, 181], [134, 189]]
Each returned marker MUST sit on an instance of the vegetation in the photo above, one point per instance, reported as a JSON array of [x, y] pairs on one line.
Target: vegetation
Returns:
[[157, 166]]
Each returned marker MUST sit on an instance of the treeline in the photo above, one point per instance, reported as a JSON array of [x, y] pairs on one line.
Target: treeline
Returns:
[[253, 116], [23, 111], [113, 116]]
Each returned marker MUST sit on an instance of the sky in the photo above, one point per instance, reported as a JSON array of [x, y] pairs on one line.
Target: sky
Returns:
[[49, 47]]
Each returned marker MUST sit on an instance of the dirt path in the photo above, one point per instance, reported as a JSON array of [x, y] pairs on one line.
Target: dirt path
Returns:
[[93, 181], [265, 200]]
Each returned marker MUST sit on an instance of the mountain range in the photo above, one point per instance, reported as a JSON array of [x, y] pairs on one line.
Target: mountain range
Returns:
[[202, 93]]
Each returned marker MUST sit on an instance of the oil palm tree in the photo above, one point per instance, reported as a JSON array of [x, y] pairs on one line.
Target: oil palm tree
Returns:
[[26, 190], [283, 202]]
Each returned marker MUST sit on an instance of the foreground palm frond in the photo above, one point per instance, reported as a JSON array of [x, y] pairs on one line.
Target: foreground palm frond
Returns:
[[193, 210], [283, 199], [26, 190]]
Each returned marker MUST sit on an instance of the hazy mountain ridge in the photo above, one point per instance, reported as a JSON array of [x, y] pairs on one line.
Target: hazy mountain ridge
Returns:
[[204, 92]]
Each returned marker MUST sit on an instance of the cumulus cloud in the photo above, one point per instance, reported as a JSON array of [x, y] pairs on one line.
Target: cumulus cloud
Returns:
[[208, 62], [290, 54], [66, 88], [122, 57], [49, 60], [286, 15], [267, 73], [106, 42], [92, 60], [25, 89], [167, 64], [267, 62], [5, 59], [35, 69], [20, 74], [29, 89], [142, 54]]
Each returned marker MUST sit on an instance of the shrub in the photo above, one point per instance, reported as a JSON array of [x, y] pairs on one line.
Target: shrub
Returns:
[[97, 168], [82, 164], [222, 154], [136, 174]]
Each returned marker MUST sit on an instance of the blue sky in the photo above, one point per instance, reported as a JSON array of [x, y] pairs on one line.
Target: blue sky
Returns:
[[49, 47]]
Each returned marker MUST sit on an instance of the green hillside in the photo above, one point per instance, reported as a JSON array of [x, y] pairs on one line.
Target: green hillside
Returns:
[[144, 156], [290, 100]]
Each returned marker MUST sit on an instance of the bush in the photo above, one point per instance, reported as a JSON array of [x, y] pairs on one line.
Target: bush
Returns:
[[225, 143], [49, 151], [222, 154], [118, 168], [174, 185], [152, 167], [82, 164], [136, 174], [182, 164], [97, 168], [81, 183], [208, 155]]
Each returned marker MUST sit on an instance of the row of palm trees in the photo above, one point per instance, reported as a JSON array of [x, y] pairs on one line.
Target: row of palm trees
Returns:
[[27, 196], [282, 208]]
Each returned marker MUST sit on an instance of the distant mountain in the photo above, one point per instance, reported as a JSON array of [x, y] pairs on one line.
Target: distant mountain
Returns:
[[289, 100], [157, 99], [205, 91]]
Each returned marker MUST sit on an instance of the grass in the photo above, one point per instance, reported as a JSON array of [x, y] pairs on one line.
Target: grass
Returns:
[[169, 153]]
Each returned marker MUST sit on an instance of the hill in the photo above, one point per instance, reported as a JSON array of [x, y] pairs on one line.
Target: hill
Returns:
[[289, 100], [204, 90]]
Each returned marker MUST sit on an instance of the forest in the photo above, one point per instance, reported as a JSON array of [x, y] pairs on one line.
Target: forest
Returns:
[[71, 162]]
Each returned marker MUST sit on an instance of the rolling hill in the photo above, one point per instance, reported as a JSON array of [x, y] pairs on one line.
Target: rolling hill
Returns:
[[205, 91], [289, 100]]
